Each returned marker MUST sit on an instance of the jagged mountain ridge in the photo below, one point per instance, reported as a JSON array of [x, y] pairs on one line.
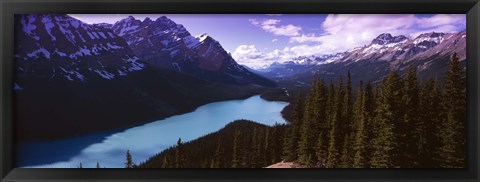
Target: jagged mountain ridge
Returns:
[[84, 78], [165, 44], [70, 49], [428, 52]]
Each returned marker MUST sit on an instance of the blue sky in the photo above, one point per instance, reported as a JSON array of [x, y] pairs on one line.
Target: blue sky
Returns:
[[258, 40]]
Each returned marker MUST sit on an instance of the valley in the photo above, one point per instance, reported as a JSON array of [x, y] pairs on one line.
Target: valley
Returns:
[[101, 94]]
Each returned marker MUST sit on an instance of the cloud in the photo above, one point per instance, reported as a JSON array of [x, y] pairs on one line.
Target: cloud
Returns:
[[344, 32], [274, 40], [251, 56], [271, 26], [305, 38]]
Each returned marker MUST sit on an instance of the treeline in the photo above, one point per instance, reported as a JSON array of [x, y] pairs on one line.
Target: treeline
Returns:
[[399, 122], [240, 144]]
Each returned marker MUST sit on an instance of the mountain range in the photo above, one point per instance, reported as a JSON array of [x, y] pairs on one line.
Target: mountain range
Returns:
[[84, 78], [428, 52]]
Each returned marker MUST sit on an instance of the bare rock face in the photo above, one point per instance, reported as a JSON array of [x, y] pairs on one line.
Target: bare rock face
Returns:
[[163, 43]]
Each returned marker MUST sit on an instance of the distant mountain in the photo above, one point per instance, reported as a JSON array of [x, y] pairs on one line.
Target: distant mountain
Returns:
[[74, 78], [428, 52], [297, 65], [165, 44]]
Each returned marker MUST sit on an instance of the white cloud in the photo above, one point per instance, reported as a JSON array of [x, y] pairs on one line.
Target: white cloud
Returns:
[[274, 40], [252, 57], [344, 32], [271, 26]]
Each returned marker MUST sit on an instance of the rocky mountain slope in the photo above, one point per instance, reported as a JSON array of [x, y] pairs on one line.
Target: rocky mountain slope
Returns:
[[428, 52], [74, 78], [165, 44]]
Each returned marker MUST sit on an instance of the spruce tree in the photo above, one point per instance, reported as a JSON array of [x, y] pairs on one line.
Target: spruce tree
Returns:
[[411, 125], [219, 157], [360, 138], [129, 162], [384, 141], [237, 151], [165, 163], [180, 160], [98, 165], [314, 123], [291, 145], [432, 115], [453, 138], [334, 135]]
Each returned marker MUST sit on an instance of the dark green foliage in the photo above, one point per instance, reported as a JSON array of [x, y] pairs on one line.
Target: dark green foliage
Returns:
[[165, 164], [314, 123], [335, 135], [412, 125], [237, 151], [431, 115], [293, 134], [452, 132], [128, 160], [400, 122], [98, 165], [180, 160], [218, 146]]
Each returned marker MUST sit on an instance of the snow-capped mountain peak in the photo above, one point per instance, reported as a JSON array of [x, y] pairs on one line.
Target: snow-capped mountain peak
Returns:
[[67, 47], [387, 38]]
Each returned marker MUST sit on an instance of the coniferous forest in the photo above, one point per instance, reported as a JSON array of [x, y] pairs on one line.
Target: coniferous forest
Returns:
[[399, 122]]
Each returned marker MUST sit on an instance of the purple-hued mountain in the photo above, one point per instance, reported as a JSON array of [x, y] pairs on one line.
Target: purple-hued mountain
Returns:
[[82, 78], [165, 44], [62, 47], [428, 52]]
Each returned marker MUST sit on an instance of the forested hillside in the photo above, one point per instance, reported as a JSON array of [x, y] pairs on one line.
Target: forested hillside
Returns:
[[401, 122]]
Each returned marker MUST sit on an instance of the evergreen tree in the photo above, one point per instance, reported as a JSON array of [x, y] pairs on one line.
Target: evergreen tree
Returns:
[[411, 125], [293, 136], [360, 134], [165, 163], [432, 115], [98, 165], [334, 134], [219, 157], [453, 138], [180, 160], [81, 165], [387, 115], [129, 162], [313, 124], [237, 151]]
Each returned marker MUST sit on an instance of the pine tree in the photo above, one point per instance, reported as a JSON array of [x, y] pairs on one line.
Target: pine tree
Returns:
[[453, 138], [334, 134], [219, 157], [360, 138], [81, 165], [411, 124], [180, 160], [237, 151], [314, 123], [165, 163], [129, 162], [432, 115], [293, 136], [387, 115], [98, 165]]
